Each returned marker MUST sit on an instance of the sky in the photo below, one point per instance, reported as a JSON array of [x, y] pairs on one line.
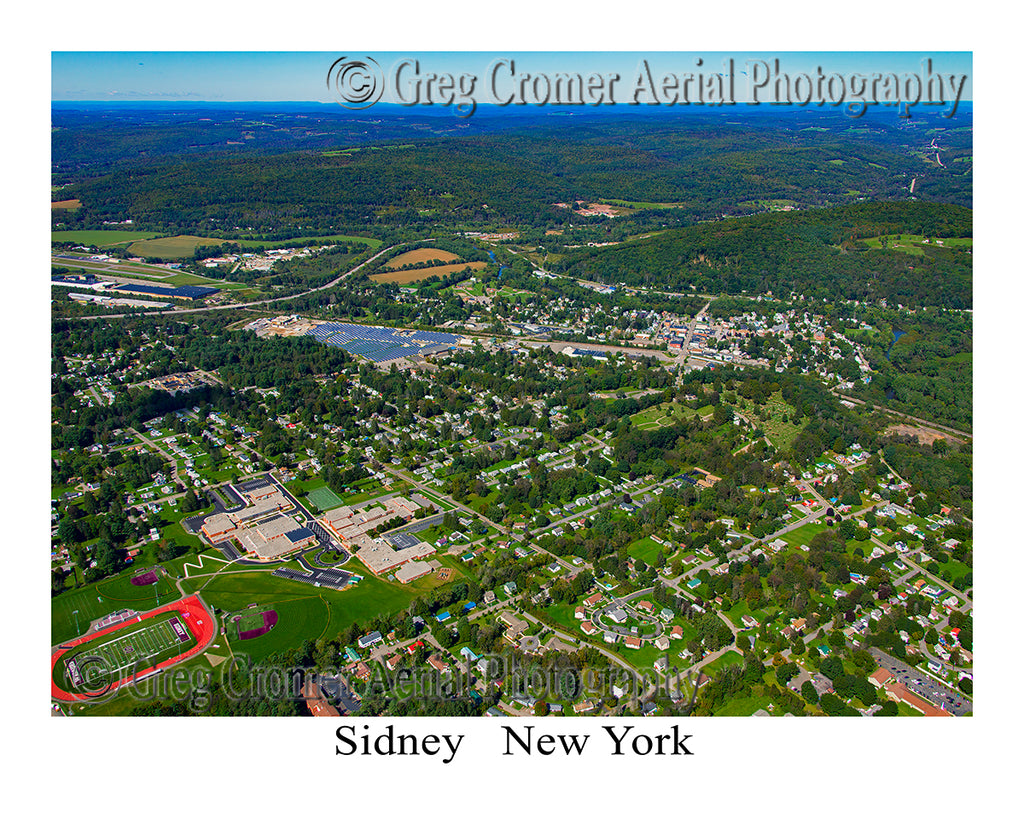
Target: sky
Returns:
[[302, 76]]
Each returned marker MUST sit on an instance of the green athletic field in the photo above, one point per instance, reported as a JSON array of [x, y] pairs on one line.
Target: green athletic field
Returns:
[[107, 596], [324, 499], [122, 653]]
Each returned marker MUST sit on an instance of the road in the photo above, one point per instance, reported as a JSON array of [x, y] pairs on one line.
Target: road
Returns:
[[691, 328], [244, 305], [167, 455]]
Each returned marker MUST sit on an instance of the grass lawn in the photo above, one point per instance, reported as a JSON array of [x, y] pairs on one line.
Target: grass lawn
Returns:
[[664, 414], [955, 568], [805, 534], [476, 503], [564, 614], [642, 658], [742, 608], [645, 549], [729, 658]]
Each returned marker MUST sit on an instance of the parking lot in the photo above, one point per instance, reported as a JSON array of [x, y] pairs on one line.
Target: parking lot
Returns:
[[918, 681]]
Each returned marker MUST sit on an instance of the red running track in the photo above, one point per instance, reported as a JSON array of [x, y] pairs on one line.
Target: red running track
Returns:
[[200, 622]]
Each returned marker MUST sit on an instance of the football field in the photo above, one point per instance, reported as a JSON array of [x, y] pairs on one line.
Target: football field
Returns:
[[124, 653]]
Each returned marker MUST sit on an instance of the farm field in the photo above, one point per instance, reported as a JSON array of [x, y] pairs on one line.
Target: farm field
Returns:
[[421, 255], [409, 276], [66, 204], [171, 247], [270, 244]]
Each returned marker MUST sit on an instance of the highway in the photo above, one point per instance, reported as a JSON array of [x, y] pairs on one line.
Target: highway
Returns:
[[245, 305]]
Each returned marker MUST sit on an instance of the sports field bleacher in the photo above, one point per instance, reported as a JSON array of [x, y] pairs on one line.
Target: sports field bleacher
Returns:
[[381, 343]]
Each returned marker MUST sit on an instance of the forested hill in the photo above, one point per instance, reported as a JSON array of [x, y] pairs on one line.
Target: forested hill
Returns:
[[819, 253], [702, 168]]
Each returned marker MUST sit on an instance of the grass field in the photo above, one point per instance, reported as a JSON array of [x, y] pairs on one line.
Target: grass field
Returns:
[[729, 658], [171, 247], [123, 652], [66, 204], [805, 534], [147, 273], [107, 596], [661, 415], [743, 707], [914, 244], [120, 589], [101, 238], [324, 499], [645, 549], [623, 203], [303, 612]]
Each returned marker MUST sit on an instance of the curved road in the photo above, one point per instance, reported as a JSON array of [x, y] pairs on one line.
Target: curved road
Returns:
[[241, 306]]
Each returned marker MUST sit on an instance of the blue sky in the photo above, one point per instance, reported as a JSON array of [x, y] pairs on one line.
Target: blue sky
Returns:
[[301, 76]]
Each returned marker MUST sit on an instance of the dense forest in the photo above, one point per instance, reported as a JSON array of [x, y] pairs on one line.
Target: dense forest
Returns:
[[228, 174], [817, 253]]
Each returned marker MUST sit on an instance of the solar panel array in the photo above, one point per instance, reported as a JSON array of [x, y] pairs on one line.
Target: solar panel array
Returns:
[[381, 343], [332, 578]]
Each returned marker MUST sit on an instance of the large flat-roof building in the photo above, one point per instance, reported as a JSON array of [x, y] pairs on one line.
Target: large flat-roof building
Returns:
[[414, 569], [260, 528], [380, 557], [226, 525], [276, 537]]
